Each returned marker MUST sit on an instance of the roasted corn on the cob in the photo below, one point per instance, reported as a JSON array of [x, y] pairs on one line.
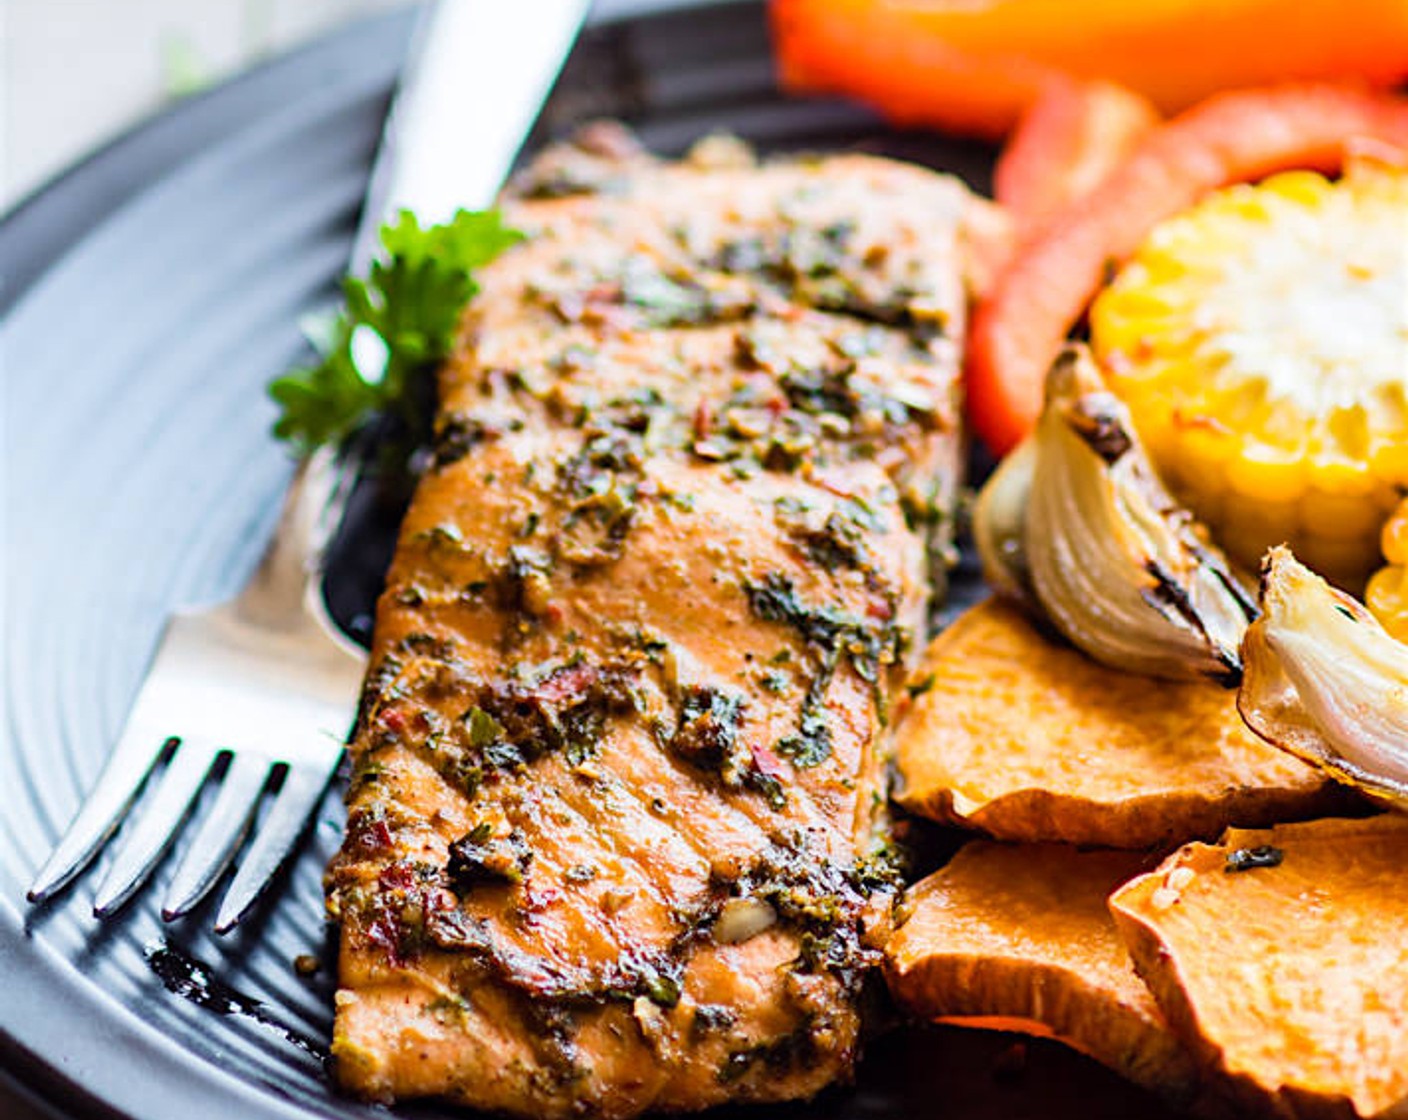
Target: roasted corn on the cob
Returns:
[[1387, 596], [1261, 342]]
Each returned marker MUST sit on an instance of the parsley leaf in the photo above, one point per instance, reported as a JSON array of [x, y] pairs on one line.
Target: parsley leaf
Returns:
[[396, 323]]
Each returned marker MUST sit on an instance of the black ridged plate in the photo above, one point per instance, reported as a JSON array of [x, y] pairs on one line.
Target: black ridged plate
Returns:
[[148, 297]]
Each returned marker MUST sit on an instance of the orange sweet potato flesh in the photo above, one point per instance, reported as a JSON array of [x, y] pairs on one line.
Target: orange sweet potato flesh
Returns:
[[1027, 739], [1019, 937], [1291, 981]]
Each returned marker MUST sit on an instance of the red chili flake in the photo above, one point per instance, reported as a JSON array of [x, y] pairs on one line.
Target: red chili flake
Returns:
[[394, 719], [767, 762], [370, 839], [605, 292], [553, 613], [566, 683], [882, 609], [397, 877], [831, 486], [384, 932], [536, 900], [703, 419]]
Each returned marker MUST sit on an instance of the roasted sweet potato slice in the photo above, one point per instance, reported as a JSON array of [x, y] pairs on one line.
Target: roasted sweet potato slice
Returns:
[[1028, 739], [1019, 937], [1280, 956]]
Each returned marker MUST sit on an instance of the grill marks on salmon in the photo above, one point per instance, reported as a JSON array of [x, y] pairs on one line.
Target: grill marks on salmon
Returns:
[[617, 837]]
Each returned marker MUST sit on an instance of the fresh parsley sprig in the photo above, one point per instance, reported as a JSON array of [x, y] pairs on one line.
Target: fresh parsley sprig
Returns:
[[395, 324]]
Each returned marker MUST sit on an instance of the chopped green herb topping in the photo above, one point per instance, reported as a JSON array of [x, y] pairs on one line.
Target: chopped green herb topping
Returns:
[[792, 1051], [710, 1017], [830, 633], [706, 736], [667, 301], [476, 858], [707, 733], [457, 433], [451, 1010], [834, 545], [922, 685], [481, 728]]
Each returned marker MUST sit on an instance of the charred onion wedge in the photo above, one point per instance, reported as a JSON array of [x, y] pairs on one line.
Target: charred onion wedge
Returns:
[[999, 527], [1326, 682], [1079, 523]]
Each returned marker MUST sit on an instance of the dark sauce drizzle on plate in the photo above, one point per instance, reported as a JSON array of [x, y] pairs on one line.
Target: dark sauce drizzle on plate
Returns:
[[183, 975]]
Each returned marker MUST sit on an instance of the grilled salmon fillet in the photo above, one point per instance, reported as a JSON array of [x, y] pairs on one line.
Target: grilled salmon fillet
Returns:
[[616, 836]]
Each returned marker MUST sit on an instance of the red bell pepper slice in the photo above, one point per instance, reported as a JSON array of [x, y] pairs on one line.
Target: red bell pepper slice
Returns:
[[1075, 135]]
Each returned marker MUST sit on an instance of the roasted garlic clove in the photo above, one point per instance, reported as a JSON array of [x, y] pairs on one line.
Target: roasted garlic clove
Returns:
[[1325, 681], [1114, 563]]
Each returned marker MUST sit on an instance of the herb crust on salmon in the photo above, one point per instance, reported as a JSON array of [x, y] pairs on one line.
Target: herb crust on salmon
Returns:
[[617, 835]]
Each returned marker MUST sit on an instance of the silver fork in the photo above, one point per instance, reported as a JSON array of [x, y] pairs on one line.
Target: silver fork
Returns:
[[264, 684]]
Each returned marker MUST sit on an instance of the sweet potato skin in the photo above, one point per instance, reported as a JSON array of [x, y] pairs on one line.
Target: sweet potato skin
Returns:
[[1018, 937], [1030, 740], [1288, 981]]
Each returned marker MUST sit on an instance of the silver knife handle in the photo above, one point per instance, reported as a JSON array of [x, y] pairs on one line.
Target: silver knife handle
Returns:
[[479, 73], [477, 76]]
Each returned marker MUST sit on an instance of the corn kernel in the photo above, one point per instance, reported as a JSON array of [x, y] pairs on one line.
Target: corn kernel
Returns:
[[1394, 538], [1267, 474], [1335, 475], [1303, 187], [1340, 516], [1389, 461], [1261, 342], [1387, 597]]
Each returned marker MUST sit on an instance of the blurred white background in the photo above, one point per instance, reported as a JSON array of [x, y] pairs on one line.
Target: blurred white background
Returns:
[[73, 73]]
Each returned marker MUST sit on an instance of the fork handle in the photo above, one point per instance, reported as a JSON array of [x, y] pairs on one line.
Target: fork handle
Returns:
[[286, 587]]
